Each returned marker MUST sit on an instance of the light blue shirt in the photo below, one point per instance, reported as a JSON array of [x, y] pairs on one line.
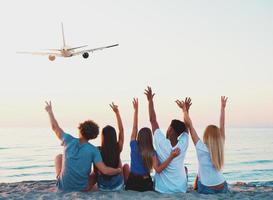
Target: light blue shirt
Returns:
[[77, 162], [173, 178], [207, 173]]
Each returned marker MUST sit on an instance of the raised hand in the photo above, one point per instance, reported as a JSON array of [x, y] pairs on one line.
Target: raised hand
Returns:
[[135, 104], [222, 116], [48, 106], [54, 124], [135, 123], [188, 103], [175, 152], [152, 115], [149, 93], [114, 107], [223, 101], [182, 105]]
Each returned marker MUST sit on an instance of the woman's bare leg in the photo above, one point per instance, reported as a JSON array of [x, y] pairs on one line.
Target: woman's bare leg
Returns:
[[126, 172], [58, 164]]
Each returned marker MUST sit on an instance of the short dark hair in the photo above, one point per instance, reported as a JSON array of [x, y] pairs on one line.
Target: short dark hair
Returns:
[[178, 126], [89, 129]]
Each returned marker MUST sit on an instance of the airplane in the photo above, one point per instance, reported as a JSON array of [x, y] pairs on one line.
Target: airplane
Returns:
[[66, 51]]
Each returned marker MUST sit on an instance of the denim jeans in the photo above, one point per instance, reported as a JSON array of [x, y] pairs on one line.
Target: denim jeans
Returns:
[[207, 190]]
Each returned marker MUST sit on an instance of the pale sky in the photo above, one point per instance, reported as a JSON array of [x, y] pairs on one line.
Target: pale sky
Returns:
[[203, 49]]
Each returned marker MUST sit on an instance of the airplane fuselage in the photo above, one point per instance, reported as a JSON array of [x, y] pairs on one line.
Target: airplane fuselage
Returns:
[[66, 53]]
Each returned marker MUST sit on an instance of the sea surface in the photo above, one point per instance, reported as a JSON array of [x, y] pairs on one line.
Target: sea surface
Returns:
[[28, 154]]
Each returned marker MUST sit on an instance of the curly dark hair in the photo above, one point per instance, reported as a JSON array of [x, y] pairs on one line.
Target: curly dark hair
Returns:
[[89, 129]]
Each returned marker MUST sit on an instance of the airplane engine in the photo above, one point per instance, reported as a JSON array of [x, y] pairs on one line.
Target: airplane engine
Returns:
[[51, 57], [85, 55]]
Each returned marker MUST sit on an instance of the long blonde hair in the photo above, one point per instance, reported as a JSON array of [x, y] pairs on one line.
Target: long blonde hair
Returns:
[[215, 143], [146, 148]]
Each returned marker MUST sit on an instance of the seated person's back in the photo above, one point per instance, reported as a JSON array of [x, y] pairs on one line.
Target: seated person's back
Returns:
[[77, 162], [173, 178], [110, 149]]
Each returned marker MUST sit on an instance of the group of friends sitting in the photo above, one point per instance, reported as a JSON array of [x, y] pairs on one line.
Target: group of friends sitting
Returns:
[[150, 149]]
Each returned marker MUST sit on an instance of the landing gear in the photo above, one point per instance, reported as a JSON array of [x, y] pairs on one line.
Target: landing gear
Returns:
[[85, 55]]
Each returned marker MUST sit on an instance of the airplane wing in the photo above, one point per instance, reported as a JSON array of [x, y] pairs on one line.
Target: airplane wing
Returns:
[[41, 53], [92, 50], [73, 48]]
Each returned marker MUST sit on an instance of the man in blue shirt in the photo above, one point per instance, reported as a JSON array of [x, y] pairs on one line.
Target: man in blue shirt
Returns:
[[73, 168]]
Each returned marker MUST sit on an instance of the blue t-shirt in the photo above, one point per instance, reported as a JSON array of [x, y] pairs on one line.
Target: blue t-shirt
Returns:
[[137, 166], [77, 162]]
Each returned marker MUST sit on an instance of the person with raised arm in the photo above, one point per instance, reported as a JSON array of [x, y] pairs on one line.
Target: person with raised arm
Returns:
[[143, 157], [111, 149], [173, 179], [210, 152], [73, 168]]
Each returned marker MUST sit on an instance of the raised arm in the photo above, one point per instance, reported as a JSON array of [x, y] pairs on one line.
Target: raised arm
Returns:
[[54, 124], [222, 116], [120, 126], [160, 167], [185, 106], [150, 95], [135, 123], [107, 170]]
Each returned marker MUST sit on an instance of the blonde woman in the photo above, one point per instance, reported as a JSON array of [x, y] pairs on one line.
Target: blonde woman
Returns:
[[210, 152]]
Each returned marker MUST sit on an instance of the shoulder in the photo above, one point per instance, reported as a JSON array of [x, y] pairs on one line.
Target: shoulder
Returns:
[[66, 135], [158, 131], [93, 148], [134, 146], [66, 138], [158, 134], [183, 137], [201, 146], [95, 153], [133, 143]]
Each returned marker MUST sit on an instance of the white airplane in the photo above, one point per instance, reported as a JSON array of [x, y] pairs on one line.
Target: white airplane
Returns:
[[66, 51]]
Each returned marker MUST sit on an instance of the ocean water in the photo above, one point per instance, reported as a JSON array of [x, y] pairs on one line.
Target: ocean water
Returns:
[[28, 154]]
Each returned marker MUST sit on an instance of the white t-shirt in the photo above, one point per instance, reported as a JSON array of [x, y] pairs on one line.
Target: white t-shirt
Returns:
[[173, 178], [207, 173]]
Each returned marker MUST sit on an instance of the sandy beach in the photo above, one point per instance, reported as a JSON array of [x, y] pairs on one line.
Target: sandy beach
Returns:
[[47, 190]]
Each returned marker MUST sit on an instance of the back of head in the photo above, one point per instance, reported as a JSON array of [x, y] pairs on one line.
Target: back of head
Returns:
[[146, 148], [89, 129], [109, 147], [215, 143], [178, 126]]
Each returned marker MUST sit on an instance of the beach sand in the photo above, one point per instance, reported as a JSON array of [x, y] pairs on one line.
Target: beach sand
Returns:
[[47, 190]]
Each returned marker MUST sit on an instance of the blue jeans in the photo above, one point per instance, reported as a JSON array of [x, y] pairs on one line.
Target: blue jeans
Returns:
[[207, 190], [115, 183]]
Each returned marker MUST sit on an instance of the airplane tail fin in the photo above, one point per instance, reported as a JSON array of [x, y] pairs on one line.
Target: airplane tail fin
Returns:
[[63, 35]]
